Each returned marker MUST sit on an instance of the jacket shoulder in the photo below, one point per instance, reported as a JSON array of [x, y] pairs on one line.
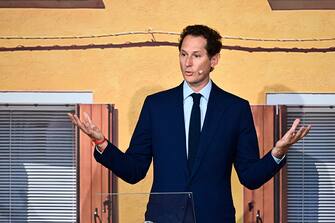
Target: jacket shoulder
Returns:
[[229, 97], [166, 94]]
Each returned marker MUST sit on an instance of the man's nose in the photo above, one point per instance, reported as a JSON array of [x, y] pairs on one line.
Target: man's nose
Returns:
[[189, 61]]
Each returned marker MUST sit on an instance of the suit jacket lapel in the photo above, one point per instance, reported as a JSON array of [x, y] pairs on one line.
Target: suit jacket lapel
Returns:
[[177, 111], [216, 106]]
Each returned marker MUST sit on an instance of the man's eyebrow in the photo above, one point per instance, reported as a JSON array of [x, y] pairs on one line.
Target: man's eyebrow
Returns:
[[195, 51]]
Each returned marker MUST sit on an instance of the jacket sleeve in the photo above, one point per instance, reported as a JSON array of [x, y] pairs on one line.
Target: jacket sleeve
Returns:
[[252, 171], [131, 166]]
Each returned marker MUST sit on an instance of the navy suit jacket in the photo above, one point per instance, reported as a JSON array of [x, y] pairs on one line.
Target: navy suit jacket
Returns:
[[228, 138]]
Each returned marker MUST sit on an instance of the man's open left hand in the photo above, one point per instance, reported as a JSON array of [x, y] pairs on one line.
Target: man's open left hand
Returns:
[[291, 136]]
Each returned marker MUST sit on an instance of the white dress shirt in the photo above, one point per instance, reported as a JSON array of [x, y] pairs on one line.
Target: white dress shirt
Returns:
[[188, 103]]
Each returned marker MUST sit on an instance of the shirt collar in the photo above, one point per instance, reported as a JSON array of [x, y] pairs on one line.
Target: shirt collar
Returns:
[[187, 90]]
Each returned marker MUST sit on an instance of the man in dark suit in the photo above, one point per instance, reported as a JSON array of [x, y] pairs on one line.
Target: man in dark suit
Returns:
[[194, 133]]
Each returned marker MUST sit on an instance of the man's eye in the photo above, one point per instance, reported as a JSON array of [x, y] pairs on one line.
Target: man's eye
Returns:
[[197, 56]]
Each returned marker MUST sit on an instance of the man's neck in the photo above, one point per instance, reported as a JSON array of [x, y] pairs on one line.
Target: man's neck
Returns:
[[198, 87]]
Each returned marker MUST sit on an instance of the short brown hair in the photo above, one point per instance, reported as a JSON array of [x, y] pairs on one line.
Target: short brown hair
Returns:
[[213, 38]]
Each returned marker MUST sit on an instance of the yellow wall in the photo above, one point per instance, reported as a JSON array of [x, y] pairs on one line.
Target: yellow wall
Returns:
[[124, 76]]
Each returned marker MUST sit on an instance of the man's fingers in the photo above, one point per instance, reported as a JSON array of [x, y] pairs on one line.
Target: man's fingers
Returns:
[[79, 123], [71, 117], [302, 133], [299, 134], [306, 130], [86, 125], [88, 122], [75, 120], [88, 119], [294, 126], [292, 136]]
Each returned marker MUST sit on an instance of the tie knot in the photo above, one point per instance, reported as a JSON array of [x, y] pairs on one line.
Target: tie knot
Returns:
[[196, 98]]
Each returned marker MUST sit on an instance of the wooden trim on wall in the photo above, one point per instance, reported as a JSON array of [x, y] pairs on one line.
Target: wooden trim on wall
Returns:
[[113, 187], [283, 171], [94, 178], [85, 163], [301, 4], [262, 199], [252, 202], [52, 4], [268, 188]]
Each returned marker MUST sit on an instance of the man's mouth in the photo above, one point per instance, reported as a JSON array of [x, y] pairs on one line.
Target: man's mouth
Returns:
[[189, 73]]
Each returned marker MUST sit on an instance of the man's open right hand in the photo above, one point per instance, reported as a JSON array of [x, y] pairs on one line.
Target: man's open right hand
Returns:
[[87, 126]]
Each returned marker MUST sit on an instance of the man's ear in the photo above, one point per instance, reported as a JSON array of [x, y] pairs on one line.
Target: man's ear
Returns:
[[215, 60]]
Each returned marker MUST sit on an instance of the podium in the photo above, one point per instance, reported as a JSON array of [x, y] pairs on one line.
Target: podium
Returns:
[[168, 207]]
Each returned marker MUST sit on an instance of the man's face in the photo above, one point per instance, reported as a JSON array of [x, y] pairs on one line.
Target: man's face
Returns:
[[195, 64]]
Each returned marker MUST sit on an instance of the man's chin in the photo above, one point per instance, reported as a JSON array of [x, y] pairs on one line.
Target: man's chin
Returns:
[[192, 82]]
